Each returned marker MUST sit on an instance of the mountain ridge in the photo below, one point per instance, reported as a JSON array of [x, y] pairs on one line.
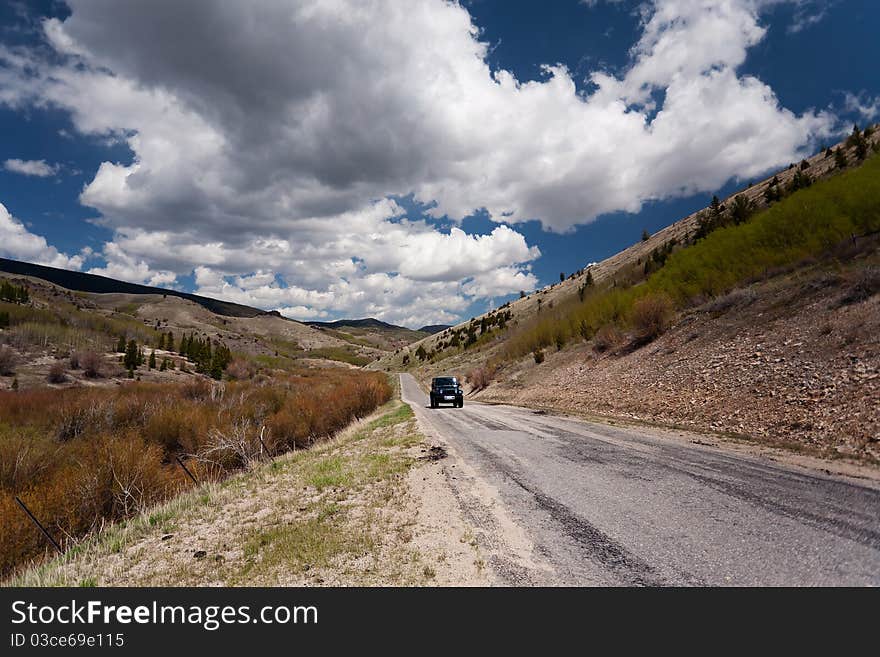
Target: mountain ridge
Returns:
[[78, 281]]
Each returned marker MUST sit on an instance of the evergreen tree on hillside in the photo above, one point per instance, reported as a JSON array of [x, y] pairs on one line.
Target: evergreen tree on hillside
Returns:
[[130, 361], [741, 209], [14, 293], [120, 346], [152, 362], [800, 180], [773, 192]]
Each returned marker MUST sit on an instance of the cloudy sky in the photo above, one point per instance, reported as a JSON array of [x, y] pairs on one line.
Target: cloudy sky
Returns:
[[415, 161]]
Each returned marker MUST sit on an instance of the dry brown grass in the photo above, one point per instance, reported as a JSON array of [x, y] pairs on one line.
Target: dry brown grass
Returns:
[[82, 456], [241, 369], [57, 373], [92, 364], [608, 337], [480, 377], [865, 284], [651, 316]]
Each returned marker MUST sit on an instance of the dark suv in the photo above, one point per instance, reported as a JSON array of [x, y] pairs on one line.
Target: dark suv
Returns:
[[446, 390]]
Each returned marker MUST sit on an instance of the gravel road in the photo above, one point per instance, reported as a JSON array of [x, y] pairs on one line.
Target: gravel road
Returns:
[[606, 505]]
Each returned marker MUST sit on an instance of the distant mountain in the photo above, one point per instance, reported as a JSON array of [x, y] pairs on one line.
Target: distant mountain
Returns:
[[81, 282], [434, 328], [366, 323], [371, 331]]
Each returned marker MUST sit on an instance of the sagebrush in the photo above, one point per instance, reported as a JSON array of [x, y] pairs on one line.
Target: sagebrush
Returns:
[[80, 457]]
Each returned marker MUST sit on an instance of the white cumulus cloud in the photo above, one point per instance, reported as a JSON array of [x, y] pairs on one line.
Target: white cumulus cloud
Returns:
[[18, 243], [38, 168], [270, 137]]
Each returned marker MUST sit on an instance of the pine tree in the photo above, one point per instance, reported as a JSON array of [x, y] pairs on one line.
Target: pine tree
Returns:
[[742, 209], [14, 293], [161, 341], [169, 341], [840, 159], [131, 356], [645, 235], [854, 137], [152, 362], [217, 366], [800, 180], [120, 346]]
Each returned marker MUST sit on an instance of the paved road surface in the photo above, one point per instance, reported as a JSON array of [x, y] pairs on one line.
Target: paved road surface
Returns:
[[603, 505]]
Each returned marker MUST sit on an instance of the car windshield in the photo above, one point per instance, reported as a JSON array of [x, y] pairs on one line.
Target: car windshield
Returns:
[[446, 381]]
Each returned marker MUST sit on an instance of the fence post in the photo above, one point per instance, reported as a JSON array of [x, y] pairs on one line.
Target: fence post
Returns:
[[262, 444], [39, 525], [186, 470]]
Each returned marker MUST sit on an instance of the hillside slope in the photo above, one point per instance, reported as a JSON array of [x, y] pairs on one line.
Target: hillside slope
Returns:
[[626, 265], [765, 328], [82, 282], [370, 332], [57, 325]]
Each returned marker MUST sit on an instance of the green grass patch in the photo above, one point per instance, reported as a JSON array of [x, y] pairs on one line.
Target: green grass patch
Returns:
[[340, 354], [400, 414], [329, 472], [305, 544]]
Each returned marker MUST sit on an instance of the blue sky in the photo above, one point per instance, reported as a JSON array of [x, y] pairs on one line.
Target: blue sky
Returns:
[[417, 162]]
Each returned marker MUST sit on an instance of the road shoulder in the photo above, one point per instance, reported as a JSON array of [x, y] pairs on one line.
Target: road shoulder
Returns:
[[507, 554], [364, 509]]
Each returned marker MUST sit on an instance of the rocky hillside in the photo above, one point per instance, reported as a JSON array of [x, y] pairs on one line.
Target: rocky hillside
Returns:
[[622, 266], [764, 327]]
